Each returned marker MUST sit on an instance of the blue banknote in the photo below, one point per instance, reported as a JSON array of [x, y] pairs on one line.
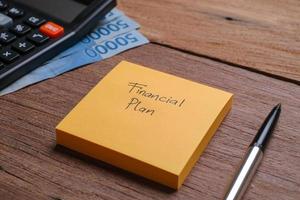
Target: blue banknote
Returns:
[[86, 55], [114, 13], [117, 26]]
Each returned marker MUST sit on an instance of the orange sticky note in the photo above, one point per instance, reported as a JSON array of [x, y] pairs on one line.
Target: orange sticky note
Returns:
[[147, 122]]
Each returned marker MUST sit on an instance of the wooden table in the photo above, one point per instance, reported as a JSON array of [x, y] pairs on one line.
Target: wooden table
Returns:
[[249, 48]]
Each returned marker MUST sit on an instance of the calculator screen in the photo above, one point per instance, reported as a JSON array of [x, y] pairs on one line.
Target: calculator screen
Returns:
[[65, 10]]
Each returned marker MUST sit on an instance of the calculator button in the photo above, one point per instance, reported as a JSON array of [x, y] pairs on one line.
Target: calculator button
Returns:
[[37, 37], [20, 29], [15, 12], [6, 37], [52, 30], [22, 46], [34, 21], [3, 4], [5, 21], [7, 55]]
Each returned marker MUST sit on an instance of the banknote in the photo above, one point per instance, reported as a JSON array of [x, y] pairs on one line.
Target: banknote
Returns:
[[115, 24], [114, 13], [110, 29], [89, 54]]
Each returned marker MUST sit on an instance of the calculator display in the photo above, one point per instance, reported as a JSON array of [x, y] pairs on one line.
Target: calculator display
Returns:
[[65, 10]]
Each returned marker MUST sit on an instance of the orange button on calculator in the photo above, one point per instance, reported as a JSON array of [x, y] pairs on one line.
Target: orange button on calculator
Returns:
[[52, 30]]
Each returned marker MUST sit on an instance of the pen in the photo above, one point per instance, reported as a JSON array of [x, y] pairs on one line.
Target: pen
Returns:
[[253, 156]]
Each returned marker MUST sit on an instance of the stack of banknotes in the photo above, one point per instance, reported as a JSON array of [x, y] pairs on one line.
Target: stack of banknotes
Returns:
[[114, 34]]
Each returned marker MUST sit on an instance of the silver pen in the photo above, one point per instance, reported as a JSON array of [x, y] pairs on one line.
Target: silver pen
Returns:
[[253, 157]]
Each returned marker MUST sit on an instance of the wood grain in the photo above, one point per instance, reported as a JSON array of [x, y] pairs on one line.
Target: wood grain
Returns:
[[257, 35], [32, 167]]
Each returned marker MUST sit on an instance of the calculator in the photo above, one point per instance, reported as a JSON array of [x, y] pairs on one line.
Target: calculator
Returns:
[[34, 31]]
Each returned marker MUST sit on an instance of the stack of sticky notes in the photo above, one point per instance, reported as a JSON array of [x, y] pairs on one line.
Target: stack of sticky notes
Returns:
[[147, 122]]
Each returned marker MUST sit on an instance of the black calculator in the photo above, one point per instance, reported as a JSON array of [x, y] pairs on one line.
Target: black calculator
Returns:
[[34, 31]]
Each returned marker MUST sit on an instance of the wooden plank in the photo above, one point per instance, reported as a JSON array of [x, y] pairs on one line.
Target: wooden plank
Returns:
[[258, 35], [32, 167]]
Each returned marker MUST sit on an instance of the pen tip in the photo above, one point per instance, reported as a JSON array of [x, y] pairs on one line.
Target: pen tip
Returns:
[[278, 106]]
